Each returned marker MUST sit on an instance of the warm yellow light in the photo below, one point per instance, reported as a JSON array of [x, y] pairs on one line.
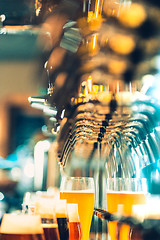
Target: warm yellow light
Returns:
[[95, 89], [80, 100], [94, 20], [134, 16], [122, 44], [75, 101], [98, 8], [94, 41], [89, 84], [90, 15], [117, 66], [85, 91], [38, 6], [101, 88], [117, 86]]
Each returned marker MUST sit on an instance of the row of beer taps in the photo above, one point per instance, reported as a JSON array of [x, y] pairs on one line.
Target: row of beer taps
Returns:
[[128, 142], [108, 53]]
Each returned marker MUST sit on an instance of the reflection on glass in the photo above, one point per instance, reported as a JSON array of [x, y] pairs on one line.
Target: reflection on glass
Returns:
[[75, 229], [80, 190], [121, 195]]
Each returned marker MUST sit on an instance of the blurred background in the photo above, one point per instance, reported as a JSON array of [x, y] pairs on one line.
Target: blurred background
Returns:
[[28, 157], [22, 137]]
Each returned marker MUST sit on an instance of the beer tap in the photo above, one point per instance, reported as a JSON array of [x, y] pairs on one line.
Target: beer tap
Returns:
[[110, 60], [137, 147], [111, 47]]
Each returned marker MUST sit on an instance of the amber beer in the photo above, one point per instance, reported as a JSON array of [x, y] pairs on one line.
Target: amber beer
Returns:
[[21, 227], [45, 207], [85, 201], [122, 202], [50, 231], [148, 213], [75, 229], [121, 195]]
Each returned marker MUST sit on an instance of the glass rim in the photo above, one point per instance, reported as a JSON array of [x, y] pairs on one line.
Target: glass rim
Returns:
[[127, 184], [126, 179], [129, 180], [120, 178], [77, 183], [77, 178]]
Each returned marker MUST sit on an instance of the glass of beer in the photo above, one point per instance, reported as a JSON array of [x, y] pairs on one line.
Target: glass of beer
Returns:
[[75, 229], [121, 195], [62, 219], [149, 215], [138, 212], [80, 190], [21, 226], [45, 207]]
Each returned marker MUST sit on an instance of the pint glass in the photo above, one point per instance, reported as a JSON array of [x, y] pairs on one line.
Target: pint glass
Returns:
[[80, 190], [149, 214], [21, 227], [139, 212], [62, 219], [45, 207], [121, 195], [75, 229]]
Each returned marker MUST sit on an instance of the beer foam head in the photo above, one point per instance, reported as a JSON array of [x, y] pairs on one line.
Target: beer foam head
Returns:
[[79, 191], [61, 208], [45, 207], [72, 209], [50, 225], [21, 224], [153, 208], [139, 211]]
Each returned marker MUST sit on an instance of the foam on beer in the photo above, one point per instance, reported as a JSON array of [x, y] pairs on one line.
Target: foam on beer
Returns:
[[79, 191], [50, 225], [61, 208], [45, 207], [126, 192], [139, 211], [153, 208], [21, 224], [73, 212]]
